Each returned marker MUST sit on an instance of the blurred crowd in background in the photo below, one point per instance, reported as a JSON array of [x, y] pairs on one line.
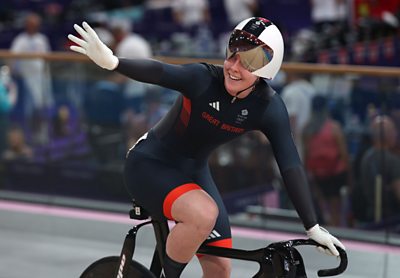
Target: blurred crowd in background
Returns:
[[345, 126], [331, 31]]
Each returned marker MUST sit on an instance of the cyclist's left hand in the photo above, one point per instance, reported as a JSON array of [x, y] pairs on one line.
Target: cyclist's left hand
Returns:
[[323, 237]]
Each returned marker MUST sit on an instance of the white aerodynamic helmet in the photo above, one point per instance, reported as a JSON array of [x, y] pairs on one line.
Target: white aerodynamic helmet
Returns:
[[259, 44]]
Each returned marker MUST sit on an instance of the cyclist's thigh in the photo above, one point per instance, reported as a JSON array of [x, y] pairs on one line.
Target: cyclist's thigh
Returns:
[[221, 234], [149, 181]]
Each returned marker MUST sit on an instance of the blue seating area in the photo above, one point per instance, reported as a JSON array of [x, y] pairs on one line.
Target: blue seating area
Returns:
[[382, 52]]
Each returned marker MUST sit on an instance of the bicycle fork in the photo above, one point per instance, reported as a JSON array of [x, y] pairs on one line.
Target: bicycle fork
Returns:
[[127, 251], [161, 233]]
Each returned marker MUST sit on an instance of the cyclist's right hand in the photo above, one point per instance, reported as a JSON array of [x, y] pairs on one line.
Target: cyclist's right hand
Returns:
[[91, 46], [323, 237]]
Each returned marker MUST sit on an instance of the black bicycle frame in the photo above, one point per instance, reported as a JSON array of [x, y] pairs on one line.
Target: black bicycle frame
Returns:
[[276, 260]]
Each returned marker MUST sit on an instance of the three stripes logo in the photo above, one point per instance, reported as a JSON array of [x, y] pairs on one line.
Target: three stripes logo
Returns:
[[214, 105], [214, 234]]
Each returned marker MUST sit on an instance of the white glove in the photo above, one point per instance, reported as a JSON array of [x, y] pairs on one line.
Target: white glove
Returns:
[[323, 237], [93, 47]]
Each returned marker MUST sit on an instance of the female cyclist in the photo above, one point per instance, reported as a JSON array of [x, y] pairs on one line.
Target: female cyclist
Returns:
[[166, 171]]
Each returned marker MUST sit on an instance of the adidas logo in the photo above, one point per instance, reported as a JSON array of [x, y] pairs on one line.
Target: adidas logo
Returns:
[[214, 105], [214, 234]]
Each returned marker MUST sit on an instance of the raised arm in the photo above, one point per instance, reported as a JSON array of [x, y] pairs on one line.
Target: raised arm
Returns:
[[176, 77]]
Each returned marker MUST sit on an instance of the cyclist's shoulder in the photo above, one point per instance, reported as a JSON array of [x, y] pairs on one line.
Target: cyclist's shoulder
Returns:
[[215, 71], [264, 91]]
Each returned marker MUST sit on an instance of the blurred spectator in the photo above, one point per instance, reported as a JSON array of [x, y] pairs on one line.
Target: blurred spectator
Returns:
[[136, 124], [380, 174], [68, 140], [191, 13], [33, 72], [303, 46], [8, 98], [154, 108], [62, 125], [238, 10], [245, 153], [17, 147], [326, 159], [297, 95], [132, 46], [376, 19], [127, 43], [326, 13], [329, 18]]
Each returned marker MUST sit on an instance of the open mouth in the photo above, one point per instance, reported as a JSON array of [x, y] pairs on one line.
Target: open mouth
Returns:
[[234, 77]]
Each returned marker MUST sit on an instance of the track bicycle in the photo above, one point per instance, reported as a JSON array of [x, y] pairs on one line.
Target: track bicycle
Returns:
[[278, 259]]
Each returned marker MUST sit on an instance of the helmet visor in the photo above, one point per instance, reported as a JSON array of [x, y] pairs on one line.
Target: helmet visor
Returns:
[[254, 54]]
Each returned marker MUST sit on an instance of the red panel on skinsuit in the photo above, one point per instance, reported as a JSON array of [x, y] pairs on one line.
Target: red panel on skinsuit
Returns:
[[175, 194]]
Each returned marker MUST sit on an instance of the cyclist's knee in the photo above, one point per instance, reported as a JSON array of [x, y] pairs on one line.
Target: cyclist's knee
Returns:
[[198, 208], [206, 216], [203, 214]]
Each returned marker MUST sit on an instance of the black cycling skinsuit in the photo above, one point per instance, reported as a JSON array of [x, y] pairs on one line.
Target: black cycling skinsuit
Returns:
[[172, 158]]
